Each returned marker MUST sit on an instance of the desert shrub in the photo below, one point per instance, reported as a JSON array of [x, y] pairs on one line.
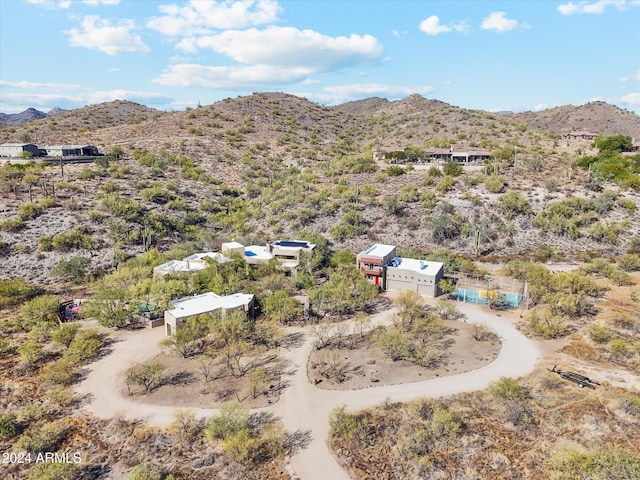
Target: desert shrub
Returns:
[[41, 309], [629, 263], [84, 347], [630, 403], [14, 292], [44, 439], [346, 426], [74, 269], [11, 224], [445, 184], [508, 389], [60, 372], [620, 349], [29, 210], [408, 193], [145, 472], [185, 426], [565, 217], [434, 171], [8, 425], [605, 232], [232, 419], [150, 375], [611, 462], [512, 203], [394, 171], [7, 347], [599, 333], [547, 325], [495, 183], [452, 168], [77, 237], [53, 471]]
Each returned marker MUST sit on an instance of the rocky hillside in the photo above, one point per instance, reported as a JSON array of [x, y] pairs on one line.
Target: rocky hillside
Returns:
[[268, 165]]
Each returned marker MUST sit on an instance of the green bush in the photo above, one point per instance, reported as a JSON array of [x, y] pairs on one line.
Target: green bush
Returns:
[[77, 237], [44, 439], [495, 183], [74, 269], [53, 471], [11, 224], [507, 388], [14, 292], [41, 309], [85, 346], [452, 168], [8, 425], [29, 210], [512, 203], [145, 472], [599, 333], [395, 170], [232, 419]]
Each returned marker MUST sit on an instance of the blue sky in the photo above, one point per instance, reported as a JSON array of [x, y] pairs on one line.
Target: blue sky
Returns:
[[490, 55]]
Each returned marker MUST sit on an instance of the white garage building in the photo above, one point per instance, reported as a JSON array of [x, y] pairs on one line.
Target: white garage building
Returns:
[[420, 276]]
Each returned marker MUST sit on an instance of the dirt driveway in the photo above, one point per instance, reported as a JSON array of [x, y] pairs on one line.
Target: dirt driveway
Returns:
[[302, 406]]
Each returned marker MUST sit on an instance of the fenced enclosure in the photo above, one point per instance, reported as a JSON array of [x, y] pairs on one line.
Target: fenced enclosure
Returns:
[[483, 289]]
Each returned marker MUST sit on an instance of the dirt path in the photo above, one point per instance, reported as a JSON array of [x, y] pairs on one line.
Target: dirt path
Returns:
[[302, 406]]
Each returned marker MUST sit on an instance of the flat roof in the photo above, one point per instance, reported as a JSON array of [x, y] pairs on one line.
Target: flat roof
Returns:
[[207, 302], [379, 250], [258, 252], [217, 256], [232, 245], [180, 266], [294, 244], [421, 266]]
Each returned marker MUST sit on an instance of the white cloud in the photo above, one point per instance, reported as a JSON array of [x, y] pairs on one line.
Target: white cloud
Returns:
[[64, 4], [291, 48], [635, 76], [500, 23], [431, 26], [18, 102], [200, 17], [23, 84], [239, 77], [543, 106], [593, 8], [337, 94], [631, 99], [101, 2], [100, 34]]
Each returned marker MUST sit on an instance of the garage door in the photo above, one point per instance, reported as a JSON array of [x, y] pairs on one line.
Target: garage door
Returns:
[[400, 285], [426, 290]]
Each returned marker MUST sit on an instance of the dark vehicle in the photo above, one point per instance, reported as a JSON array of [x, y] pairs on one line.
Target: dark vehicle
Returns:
[[581, 380]]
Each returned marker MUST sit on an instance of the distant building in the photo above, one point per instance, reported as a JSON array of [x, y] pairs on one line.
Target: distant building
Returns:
[[185, 308], [71, 151], [372, 262], [190, 264], [580, 135], [286, 252], [469, 156], [14, 150], [420, 276]]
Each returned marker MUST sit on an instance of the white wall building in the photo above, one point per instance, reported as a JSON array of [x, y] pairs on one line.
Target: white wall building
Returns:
[[15, 150], [190, 264], [209, 302], [420, 276]]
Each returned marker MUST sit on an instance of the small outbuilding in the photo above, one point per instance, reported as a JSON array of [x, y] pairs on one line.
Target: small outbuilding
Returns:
[[209, 302]]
